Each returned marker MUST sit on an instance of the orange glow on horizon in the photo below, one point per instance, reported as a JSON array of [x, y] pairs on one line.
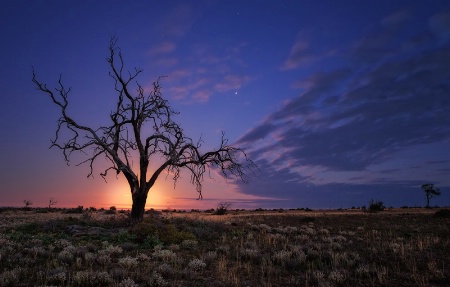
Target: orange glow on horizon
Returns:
[[120, 197], [163, 195]]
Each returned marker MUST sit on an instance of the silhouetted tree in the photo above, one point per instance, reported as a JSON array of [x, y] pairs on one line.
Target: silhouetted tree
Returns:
[[51, 202], [430, 191], [162, 141], [27, 203], [222, 208]]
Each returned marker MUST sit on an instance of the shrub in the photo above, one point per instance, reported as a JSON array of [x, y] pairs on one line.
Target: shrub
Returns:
[[189, 244], [196, 264], [443, 213], [128, 283], [78, 209], [90, 278], [10, 277], [57, 278], [157, 280], [154, 231], [376, 205], [164, 254], [222, 208], [111, 211], [128, 262], [173, 235]]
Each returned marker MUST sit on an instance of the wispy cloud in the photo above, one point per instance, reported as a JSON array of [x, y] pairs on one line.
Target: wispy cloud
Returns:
[[232, 82], [178, 22], [348, 119], [394, 108], [202, 96], [163, 48], [181, 89], [300, 54], [167, 62], [440, 26], [381, 42], [205, 71]]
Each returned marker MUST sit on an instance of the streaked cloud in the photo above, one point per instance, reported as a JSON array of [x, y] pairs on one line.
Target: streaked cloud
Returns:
[[163, 48], [300, 54], [232, 83], [440, 26], [349, 121]]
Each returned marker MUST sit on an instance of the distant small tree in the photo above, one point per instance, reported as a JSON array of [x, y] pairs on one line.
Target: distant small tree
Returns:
[[27, 203], [430, 191], [376, 205], [222, 208], [51, 202]]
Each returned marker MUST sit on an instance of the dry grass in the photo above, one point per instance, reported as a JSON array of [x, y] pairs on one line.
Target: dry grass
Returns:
[[404, 247]]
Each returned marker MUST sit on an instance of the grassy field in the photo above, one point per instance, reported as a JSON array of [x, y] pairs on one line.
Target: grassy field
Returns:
[[398, 247]]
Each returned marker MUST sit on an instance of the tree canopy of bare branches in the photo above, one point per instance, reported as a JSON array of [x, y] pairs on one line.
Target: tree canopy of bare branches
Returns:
[[125, 138]]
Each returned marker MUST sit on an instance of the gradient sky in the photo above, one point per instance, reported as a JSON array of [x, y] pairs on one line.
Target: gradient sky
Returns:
[[338, 102]]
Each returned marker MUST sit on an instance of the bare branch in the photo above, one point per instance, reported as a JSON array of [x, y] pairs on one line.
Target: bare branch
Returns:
[[125, 136]]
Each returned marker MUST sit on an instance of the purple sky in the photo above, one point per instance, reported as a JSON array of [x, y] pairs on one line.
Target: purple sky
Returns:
[[338, 102]]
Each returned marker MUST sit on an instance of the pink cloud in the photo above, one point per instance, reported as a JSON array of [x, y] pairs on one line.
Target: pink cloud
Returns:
[[179, 74], [178, 93], [167, 62], [205, 55], [199, 83], [178, 22], [182, 91], [232, 82], [299, 54], [202, 96], [163, 48]]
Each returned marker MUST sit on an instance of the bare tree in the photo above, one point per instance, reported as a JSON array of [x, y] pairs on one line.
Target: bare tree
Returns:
[[125, 136], [430, 191], [51, 202], [222, 208], [27, 203]]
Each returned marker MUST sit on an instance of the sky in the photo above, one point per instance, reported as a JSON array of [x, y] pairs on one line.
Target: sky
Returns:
[[337, 102]]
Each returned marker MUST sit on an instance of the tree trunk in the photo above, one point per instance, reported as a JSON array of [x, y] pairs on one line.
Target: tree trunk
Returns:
[[138, 207]]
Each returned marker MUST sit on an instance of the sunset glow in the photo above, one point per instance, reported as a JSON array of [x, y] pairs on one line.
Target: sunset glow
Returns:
[[337, 102]]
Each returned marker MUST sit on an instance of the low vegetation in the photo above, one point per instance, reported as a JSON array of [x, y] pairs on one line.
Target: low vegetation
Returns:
[[404, 247]]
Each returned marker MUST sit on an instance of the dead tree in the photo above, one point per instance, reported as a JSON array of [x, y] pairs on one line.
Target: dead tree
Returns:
[[27, 203], [51, 202], [125, 138]]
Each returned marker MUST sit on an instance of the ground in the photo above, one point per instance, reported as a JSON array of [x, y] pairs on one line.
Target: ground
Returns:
[[396, 247]]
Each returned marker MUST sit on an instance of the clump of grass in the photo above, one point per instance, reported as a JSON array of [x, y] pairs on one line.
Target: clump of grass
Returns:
[[159, 231]]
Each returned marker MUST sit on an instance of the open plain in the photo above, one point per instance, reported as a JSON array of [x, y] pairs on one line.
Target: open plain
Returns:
[[396, 247]]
